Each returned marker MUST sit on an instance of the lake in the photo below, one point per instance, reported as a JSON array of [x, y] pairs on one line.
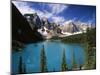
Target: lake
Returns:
[[54, 52]]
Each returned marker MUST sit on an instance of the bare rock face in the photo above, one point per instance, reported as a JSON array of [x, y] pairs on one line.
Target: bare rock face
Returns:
[[70, 27], [33, 20], [74, 27], [21, 29]]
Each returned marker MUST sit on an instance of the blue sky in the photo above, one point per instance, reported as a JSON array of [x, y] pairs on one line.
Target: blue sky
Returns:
[[59, 13]]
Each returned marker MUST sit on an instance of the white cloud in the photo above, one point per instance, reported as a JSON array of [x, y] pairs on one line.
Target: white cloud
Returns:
[[69, 21], [57, 8], [44, 14], [24, 7], [58, 19]]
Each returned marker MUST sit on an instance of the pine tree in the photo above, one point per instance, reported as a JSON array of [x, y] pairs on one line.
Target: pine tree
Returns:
[[24, 68], [74, 65], [64, 65], [21, 67], [43, 64]]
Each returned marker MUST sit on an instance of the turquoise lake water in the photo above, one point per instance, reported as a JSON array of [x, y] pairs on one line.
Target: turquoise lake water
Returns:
[[54, 51]]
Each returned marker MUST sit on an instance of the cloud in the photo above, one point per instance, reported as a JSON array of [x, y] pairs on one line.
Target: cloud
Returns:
[[45, 14], [57, 8], [58, 19], [25, 7]]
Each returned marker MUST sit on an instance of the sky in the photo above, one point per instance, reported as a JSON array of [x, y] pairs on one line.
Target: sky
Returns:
[[59, 13]]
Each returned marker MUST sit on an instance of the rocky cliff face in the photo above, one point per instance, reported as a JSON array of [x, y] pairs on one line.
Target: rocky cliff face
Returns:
[[46, 23], [72, 27], [33, 20], [21, 29]]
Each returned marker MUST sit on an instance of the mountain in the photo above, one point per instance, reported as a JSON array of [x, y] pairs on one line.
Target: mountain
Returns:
[[45, 22], [70, 27], [33, 20], [82, 26], [75, 26], [21, 29], [45, 28]]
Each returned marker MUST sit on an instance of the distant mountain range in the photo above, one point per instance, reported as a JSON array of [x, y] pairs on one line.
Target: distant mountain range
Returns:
[[72, 27], [50, 28]]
